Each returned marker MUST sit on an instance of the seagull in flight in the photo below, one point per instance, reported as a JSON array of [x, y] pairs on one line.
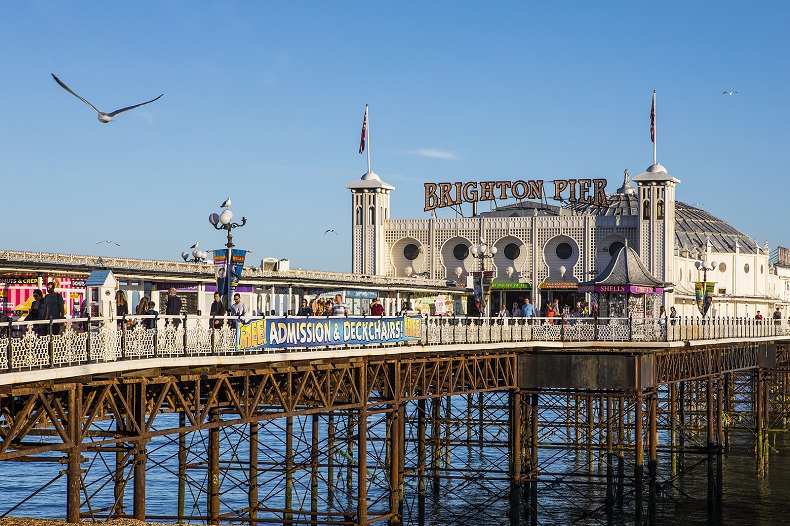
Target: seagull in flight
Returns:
[[226, 204], [103, 117], [108, 241], [729, 92], [330, 230]]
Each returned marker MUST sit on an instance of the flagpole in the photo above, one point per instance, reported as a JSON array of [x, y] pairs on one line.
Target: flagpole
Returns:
[[367, 137], [655, 161]]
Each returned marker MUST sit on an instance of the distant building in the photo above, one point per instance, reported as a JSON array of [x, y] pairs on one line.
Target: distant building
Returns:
[[544, 251]]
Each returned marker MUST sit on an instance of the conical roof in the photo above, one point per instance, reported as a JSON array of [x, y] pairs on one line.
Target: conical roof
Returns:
[[625, 269]]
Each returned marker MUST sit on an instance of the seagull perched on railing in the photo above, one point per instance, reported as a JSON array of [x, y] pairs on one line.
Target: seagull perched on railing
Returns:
[[103, 117]]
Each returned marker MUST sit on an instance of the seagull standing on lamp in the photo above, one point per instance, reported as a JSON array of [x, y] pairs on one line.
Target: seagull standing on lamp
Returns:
[[198, 256], [483, 252], [223, 221]]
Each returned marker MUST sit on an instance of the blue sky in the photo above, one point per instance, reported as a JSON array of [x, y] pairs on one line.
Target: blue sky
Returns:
[[264, 102]]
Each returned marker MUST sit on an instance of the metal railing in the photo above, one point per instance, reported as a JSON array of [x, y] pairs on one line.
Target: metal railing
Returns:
[[79, 341]]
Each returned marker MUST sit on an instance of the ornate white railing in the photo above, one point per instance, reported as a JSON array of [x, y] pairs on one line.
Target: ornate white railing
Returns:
[[61, 343]]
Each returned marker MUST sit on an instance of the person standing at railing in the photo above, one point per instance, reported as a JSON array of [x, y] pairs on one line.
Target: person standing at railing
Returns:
[[777, 317], [238, 309], [36, 312], [528, 310], [376, 308], [758, 318], [217, 309], [306, 310], [54, 307], [173, 307], [662, 317], [151, 322], [338, 308], [673, 315]]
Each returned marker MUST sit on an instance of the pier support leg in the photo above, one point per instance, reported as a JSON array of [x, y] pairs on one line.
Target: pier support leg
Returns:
[[182, 467], [436, 444], [396, 432], [421, 460], [362, 449], [533, 461], [610, 491], [73, 471], [140, 454], [289, 470], [213, 469], [253, 495], [516, 457]]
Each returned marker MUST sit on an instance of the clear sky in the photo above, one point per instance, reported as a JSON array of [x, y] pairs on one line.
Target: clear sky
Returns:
[[263, 102]]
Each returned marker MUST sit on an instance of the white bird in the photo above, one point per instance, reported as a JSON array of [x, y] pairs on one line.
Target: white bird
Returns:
[[103, 117], [226, 204], [108, 241], [330, 230], [195, 245], [729, 92]]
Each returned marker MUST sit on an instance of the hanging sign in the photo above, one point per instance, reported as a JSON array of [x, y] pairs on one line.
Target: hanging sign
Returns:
[[703, 292]]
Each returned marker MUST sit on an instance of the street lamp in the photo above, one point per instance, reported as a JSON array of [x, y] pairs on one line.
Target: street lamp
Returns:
[[705, 267], [223, 221], [483, 252], [198, 256], [706, 294]]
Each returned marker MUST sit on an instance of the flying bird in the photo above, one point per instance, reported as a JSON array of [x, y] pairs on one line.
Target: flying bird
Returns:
[[107, 241], [729, 92], [195, 245], [103, 117], [330, 230]]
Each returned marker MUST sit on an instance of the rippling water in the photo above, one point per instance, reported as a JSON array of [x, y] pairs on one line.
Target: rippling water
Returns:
[[466, 499]]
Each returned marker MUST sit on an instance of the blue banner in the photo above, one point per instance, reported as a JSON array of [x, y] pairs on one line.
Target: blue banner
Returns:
[[319, 332]]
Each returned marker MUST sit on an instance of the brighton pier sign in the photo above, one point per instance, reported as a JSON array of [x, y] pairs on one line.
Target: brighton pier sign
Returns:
[[587, 191]]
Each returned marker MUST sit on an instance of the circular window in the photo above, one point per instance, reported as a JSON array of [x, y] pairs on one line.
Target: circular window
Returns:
[[614, 247], [746, 268], [564, 250], [411, 251], [461, 251], [512, 251], [722, 267]]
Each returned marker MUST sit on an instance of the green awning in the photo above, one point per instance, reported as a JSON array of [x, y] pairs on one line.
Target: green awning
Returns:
[[509, 285]]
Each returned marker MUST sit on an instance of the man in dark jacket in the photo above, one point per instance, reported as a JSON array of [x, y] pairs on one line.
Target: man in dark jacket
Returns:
[[173, 307], [53, 307]]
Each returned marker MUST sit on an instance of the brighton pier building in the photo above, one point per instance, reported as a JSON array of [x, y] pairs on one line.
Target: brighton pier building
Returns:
[[548, 252]]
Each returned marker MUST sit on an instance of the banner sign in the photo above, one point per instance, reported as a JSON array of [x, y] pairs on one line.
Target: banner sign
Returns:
[[632, 289], [282, 333], [221, 270], [236, 265], [703, 292]]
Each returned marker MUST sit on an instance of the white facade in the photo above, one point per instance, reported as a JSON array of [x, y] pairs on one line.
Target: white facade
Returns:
[[544, 251]]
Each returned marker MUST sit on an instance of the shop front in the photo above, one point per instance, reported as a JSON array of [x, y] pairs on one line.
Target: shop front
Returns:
[[566, 292], [507, 293]]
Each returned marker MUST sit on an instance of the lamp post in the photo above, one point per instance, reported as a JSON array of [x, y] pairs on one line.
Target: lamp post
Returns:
[[483, 252], [705, 266], [223, 221]]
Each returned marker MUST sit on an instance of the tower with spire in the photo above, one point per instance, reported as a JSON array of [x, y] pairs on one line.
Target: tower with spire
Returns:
[[370, 208]]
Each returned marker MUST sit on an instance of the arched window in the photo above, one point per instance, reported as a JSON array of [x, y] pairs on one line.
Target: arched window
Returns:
[[660, 210], [359, 215], [372, 215], [645, 209]]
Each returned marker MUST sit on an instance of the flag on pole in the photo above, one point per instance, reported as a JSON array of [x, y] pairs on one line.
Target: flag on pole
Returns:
[[364, 131], [653, 119]]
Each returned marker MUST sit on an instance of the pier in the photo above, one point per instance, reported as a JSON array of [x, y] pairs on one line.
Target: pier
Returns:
[[490, 415]]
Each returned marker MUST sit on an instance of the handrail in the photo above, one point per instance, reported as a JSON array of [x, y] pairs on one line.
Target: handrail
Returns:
[[32, 345]]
